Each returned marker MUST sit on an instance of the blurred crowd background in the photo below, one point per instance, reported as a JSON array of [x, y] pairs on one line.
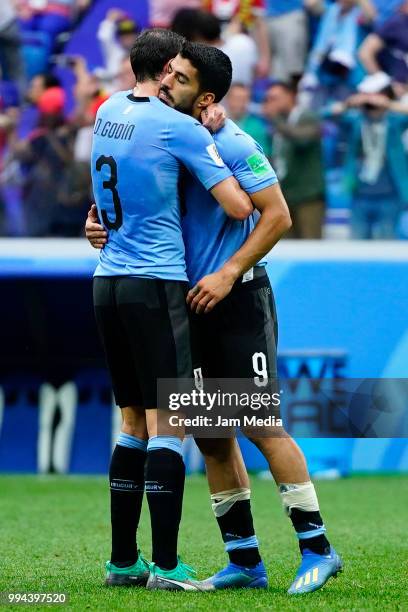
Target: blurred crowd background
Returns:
[[321, 84]]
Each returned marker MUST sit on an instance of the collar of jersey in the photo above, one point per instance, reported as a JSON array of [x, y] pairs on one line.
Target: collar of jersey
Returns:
[[133, 98]]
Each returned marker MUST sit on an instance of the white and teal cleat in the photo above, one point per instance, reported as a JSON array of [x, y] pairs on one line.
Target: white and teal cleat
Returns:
[[181, 578], [134, 575], [314, 571]]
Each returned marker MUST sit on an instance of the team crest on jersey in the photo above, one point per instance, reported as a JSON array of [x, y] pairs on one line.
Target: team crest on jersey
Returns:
[[215, 156], [258, 164]]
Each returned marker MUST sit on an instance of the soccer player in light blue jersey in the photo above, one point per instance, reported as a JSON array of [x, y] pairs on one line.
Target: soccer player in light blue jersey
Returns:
[[138, 147], [140, 288], [238, 333]]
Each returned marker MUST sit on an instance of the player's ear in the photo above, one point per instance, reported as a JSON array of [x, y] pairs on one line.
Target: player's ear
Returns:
[[205, 99]]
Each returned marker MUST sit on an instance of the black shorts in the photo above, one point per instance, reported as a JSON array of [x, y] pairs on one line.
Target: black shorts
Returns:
[[145, 327], [238, 338]]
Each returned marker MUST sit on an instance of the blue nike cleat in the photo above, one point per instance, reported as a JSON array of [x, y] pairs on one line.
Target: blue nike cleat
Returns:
[[237, 577], [314, 571]]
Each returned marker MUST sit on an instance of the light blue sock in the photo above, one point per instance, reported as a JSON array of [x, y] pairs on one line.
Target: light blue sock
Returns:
[[250, 542], [170, 442], [129, 441]]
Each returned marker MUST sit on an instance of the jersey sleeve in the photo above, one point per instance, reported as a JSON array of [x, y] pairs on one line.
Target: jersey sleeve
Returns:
[[193, 145], [248, 163]]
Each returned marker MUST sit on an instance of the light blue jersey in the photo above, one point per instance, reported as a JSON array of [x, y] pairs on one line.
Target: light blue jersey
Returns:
[[210, 236], [139, 145]]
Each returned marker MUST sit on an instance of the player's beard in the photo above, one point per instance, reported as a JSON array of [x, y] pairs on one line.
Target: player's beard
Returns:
[[183, 106]]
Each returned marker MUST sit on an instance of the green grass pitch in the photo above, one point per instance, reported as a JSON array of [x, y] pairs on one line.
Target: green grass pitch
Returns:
[[54, 534]]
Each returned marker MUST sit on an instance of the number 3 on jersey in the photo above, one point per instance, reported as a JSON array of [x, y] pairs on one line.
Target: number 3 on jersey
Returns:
[[111, 186]]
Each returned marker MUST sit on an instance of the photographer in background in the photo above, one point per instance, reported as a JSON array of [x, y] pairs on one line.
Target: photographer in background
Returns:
[[43, 155], [297, 159], [376, 165], [56, 186], [332, 70]]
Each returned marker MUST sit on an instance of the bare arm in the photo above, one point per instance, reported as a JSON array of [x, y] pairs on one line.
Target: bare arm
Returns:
[[82, 94], [368, 52], [235, 202], [273, 223], [228, 193], [262, 40], [399, 107]]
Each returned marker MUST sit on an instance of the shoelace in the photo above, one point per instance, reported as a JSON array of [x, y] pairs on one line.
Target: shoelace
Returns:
[[187, 568]]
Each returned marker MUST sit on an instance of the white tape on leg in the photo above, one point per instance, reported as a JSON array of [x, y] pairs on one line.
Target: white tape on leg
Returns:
[[301, 495], [223, 501]]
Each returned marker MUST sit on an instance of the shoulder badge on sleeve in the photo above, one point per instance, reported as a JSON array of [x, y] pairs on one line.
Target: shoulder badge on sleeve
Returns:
[[215, 156], [258, 164]]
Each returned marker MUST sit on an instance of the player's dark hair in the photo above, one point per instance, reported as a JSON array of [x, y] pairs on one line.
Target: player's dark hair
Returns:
[[214, 67], [151, 51]]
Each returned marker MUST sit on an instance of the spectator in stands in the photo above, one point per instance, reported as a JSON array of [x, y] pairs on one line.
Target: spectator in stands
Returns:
[[56, 188], [239, 46], [376, 163], [236, 16], [244, 17], [242, 51], [386, 50], [126, 77], [186, 23], [379, 11], [237, 102], [11, 222], [116, 34], [43, 83], [11, 64], [43, 156], [8, 124], [89, 95], [162, 12], [288, 38], [332, 63], [297, 159], [50, 17]]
